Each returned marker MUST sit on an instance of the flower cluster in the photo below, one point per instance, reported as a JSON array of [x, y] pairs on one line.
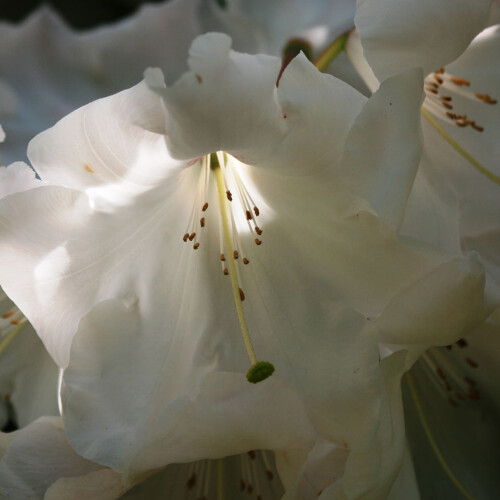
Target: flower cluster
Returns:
[[249, 267]]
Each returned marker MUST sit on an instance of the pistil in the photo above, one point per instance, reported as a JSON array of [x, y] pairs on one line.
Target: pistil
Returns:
[[260, 370]]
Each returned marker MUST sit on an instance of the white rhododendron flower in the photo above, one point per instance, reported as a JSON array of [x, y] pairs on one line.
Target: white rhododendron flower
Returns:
[[454, 204], [176, 217]]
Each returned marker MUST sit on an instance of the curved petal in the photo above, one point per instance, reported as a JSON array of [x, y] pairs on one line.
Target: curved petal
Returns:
[[401, 34], [438, 309], [103, 353], [269, 127], [382, 171], [36, 457], [16, 178]]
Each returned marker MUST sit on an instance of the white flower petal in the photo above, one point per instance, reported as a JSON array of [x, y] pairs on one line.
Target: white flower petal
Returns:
[[440, 308], [36, 457], [17, 177], [155, 421], [401, 34], [268, 127], [382, 171]]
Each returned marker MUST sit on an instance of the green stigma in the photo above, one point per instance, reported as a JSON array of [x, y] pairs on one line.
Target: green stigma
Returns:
[[259, 371]]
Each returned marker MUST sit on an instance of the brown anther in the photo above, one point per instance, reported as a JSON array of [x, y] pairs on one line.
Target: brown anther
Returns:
[[256, 211], [486, 98], [432, 90], [196, 246], [474, 395], [471, 363], [477, 127], [258, 230], [461, 343], [445, 97], [199, 79], [433, 84], [461, 123], [242, 295], [438, 79], [191, 482], [185, 237], [248, 214], [251, 454], [460, 81], [202, 222], [15, 321], [89, 169], [204, 208], [269, 475], [452, 116], [192, 236], [446, 105], [257, 241], [460, 396], [440, 373], [226, 272], [448, 347], [236, 254], [453, 402], [229, 195], [448, 385], [242, 485], [245, 261], [470, 381], [439, 71], [8, 314], [250, 489], [222, 257]]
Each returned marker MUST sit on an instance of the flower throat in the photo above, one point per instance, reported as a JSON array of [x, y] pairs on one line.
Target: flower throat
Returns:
[[230, 245]]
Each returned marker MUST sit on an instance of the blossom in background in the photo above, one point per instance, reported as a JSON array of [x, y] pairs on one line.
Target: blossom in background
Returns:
[[454, 204]]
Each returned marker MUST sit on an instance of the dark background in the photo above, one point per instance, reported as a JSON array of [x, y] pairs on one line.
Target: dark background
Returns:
[[80, 14]]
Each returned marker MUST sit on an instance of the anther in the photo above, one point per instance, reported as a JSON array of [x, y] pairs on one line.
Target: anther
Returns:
[[196, 246], [452, 116], [251, 454], [226, 272], [242, 295], [202, 222], [445, 97], [235, 254], [204, 208], [432, 90], [257, 241], [245, 261], [462, 343], [192, 236], [459, 81], [258, 230], [185, 237], [471, 363], [256, 211], [439, 71], [222, 257], [446, 105], [8, 314], [229, 195], [453, 402], [191, 482], [15, 321], [477, 127], [248, 214], [438, 79], [486, 98]]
